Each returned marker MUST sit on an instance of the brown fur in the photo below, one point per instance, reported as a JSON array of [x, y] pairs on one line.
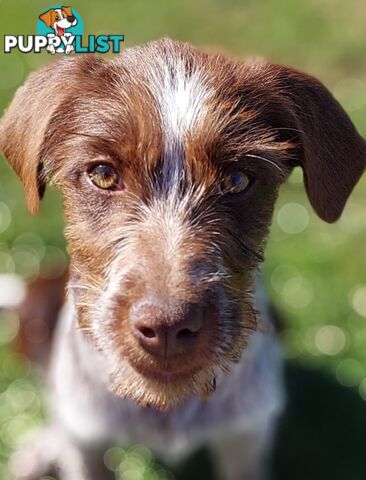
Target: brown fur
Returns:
[[49, 17], [38, 317], [79, 112]]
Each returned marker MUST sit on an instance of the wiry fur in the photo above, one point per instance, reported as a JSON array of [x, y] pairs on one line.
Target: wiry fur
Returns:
[[174, 123]]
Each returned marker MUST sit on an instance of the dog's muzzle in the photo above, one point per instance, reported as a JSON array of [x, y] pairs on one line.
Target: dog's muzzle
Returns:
[[166, 330]]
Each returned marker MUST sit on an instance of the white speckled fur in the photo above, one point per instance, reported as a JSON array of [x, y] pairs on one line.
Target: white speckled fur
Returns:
[[247, 400]]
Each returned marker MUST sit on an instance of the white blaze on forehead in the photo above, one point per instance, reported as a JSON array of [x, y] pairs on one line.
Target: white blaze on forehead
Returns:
[[182, 97]]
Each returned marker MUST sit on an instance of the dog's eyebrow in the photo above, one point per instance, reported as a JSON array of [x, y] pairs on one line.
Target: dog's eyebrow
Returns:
[[89, 135], [252, 155]]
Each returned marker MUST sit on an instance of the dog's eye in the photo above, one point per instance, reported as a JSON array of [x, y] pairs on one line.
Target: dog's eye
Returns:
[[105, 177], [235, 182], [57, 18]]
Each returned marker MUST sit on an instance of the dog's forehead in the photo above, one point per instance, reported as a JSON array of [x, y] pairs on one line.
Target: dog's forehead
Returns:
[[181, 81], [182, 97], [177, 93], [170, 105], [182, 94], [195, 95]]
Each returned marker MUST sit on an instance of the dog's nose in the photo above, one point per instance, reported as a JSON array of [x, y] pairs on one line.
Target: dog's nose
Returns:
[[71, 18], [166, 331]]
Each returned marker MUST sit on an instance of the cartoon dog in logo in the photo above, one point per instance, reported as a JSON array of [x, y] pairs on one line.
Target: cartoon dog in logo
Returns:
[[59, 20]]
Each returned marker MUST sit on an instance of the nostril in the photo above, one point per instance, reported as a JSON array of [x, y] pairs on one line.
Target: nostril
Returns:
[[185, 334], [166, 330], [147, 332]]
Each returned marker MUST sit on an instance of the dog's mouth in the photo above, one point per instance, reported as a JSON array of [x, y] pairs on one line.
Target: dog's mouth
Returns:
[[163, 383], [161, 388], [60, 31], [167, 368], [168, 374]]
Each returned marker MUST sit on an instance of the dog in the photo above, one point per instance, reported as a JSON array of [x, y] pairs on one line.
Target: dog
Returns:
[[59, 20], [169, 161]]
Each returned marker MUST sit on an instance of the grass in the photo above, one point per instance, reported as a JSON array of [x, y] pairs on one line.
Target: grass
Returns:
[[314, 272]]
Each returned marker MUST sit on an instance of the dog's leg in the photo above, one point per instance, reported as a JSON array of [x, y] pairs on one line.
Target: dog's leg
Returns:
[[51, 452], [241, 456]]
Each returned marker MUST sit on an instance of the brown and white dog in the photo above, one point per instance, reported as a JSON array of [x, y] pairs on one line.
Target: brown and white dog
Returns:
[[59, 19], [169, 161]]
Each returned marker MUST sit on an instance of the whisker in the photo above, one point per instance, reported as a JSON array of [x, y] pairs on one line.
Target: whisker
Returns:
[[291, 129], [86, 287], [77, 269], [89, 277], [252, 155]]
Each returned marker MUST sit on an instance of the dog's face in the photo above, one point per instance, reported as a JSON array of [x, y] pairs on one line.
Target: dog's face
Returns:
[[169, 161], [59, 19]]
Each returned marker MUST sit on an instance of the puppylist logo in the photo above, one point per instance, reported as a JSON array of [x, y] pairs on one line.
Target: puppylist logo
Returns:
[[60, 29]]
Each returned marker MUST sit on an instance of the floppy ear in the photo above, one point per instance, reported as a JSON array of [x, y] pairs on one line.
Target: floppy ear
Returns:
[[67, 10], [25, 123], [331, 152], [48, 17]]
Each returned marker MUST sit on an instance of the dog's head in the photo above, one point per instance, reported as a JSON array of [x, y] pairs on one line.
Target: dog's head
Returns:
[[59, 19], [169, 161]]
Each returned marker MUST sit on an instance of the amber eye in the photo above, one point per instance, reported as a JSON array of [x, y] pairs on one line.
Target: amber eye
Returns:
[[236, 182], [105, 177]]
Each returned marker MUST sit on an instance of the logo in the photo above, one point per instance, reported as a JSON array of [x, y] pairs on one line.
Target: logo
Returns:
[[60, 25], [60, 29]]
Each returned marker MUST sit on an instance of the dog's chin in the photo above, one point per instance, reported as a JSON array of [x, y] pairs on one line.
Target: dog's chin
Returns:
[[161, 390]]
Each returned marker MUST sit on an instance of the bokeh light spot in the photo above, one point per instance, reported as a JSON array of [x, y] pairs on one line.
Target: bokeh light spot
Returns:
[[113, 458], [5, 217], [9, 326], [297, 292], [27, 264], [330, 340], [359, 301], [293, 218], [362, 389], [31, 242], [350, 372], [7, 264], [281, 275]]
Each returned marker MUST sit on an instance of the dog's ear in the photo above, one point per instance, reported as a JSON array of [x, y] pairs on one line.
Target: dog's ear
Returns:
[[48, 17], [331, 152], [68, 11], [25, 123]]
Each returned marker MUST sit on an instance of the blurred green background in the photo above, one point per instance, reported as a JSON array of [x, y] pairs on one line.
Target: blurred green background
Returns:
[[315, 273]]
